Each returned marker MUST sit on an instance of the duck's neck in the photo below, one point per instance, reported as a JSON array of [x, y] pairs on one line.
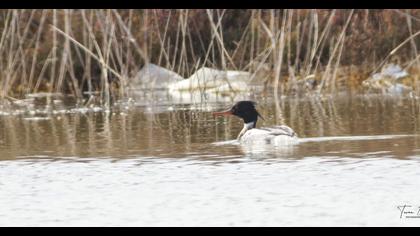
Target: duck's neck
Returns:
[[247, 126]]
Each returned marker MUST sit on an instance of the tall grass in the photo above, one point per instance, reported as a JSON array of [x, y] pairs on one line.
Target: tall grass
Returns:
[[87, 53]]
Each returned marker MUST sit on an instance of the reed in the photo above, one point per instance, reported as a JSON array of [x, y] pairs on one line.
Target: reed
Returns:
[[83, 52]]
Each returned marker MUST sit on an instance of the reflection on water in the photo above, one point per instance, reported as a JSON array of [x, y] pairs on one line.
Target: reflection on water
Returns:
[[177, 130], [174, 164]]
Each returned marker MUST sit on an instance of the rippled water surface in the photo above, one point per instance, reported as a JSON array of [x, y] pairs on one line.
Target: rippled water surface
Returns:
[[173, 164]]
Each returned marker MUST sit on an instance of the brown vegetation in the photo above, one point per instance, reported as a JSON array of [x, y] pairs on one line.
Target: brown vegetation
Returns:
[[74, 51]]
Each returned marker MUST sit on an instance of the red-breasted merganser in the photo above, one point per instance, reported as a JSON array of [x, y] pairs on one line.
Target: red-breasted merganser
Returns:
[[277, 135]]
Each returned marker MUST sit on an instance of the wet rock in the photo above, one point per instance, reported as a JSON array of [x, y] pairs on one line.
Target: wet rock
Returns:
[[393, 71], [392, 79], [209, 79], [152, 76]]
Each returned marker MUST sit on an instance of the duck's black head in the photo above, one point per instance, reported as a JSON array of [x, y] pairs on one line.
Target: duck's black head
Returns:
[[243, 109]]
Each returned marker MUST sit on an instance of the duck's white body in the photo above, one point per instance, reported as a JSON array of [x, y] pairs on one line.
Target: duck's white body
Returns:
[[280, 135], [277, 135]]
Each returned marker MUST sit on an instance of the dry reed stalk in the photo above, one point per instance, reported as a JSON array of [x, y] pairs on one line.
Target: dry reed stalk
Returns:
[[70, 67], [36, 50], [393, 51], [306, 62], [210, 48], [413, 44], [5, 32], [264, 55], [415, 60], [162, 40], [64, 56], [109, 31], [130, 36], [279, 45], [11, 57], [128, 56], [241, 41], [54, 52], [292, 78], [253, 26], [220, 39], [299, 40], [326, 77], [337, 64], [193, 55], [98, 58], [183, 20], [320, 47], [21, 50], [176, 47]]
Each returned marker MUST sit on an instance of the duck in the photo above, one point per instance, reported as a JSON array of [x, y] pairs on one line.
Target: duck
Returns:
[[277, 135]]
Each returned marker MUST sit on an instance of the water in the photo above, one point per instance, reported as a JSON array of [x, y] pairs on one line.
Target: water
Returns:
[[165, 164]]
